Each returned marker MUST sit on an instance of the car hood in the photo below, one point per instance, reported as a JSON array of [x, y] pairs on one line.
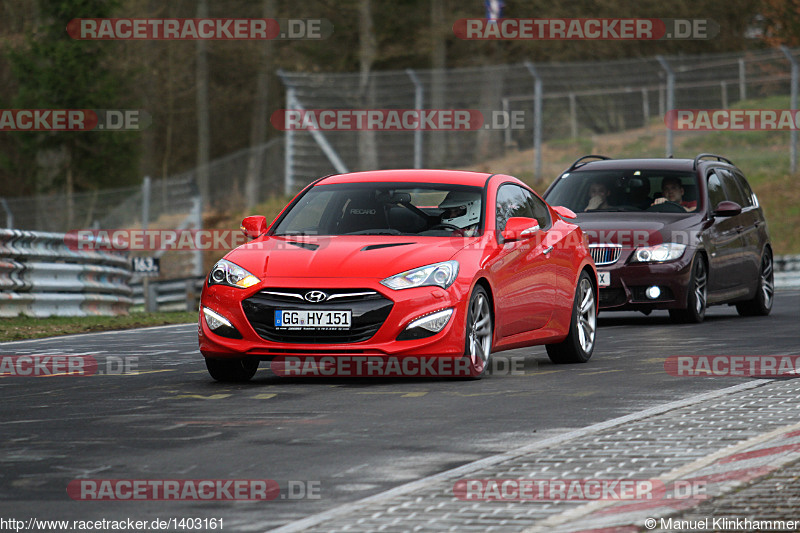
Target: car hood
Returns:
[[640, 229], [343, 255]]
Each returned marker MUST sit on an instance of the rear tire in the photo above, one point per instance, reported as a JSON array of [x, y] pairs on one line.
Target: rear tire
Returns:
[[697, 299], [232, 370], [579, 344], [761, 304], [479, 334]]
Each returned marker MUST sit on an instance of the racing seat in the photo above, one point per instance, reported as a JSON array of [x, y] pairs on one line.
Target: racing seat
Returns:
[[362, 214]]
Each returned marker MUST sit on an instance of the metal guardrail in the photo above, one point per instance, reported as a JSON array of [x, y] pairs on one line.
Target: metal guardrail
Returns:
[[787, 271], [41, 276], [181, 294]]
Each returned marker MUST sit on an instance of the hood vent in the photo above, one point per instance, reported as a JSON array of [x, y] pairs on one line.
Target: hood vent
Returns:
[[386, 245], [306, 245]]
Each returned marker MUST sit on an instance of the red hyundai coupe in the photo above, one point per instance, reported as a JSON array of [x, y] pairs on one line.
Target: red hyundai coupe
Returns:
[[407, 264]]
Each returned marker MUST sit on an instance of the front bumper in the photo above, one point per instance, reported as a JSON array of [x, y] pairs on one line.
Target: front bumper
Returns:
[[629, 282], [251, 313]]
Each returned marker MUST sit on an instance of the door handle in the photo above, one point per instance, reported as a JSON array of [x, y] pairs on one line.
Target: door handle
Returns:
[[548, 250]]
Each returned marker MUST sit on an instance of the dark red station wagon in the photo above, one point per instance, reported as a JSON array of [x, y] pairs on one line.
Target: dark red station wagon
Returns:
[[676, 234]]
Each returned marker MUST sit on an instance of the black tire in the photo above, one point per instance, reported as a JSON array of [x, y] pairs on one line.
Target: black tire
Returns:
[[579, 344], [232, 370], [761, 304], [697, 299], [479, 334]]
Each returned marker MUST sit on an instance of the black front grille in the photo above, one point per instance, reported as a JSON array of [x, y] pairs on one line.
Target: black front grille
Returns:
[[369, 310], [612, 297]]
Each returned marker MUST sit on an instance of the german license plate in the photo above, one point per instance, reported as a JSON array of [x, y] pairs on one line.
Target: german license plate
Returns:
[[603, 278], [313, 319]]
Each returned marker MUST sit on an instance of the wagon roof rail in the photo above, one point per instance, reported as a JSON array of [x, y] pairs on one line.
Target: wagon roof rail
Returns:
[[580, 161]]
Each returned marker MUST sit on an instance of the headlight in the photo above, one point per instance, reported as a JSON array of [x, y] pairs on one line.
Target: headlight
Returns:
[[438, 274], [669, 251], [227, 273]]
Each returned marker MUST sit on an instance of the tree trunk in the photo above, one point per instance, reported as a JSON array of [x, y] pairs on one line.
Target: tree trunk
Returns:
[[368, 50], [203, 128], [438, 150], [258, 127]]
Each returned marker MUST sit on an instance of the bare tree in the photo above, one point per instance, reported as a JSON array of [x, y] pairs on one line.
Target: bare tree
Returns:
[[258, 126], [438, 150], [203, 127], [367, 52]]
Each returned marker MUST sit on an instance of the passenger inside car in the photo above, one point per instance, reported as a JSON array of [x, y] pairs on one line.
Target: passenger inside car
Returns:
[[598, 196], [673, 191]]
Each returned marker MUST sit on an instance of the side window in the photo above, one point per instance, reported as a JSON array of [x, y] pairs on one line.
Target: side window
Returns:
[[540, 211], [732, 190], [511, 202], [716, 193], [749, 197]]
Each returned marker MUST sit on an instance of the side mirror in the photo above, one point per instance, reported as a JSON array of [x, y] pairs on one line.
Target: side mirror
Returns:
[[254, 226], [518, 228], [564, 212], [727, 209]]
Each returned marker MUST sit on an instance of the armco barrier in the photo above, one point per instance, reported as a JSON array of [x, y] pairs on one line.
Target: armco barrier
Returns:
[[787, 272], [168, 295], [41, 276]]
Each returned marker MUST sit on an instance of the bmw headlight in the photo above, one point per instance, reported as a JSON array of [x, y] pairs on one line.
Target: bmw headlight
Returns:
[[231, 274], [438, 274], [660, 253]]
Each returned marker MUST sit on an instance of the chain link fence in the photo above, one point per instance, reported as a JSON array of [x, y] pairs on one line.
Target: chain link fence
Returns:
[[575, 99]]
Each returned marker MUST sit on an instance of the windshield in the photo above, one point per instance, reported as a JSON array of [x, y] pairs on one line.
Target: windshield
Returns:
[[386, 209], [607, 191]]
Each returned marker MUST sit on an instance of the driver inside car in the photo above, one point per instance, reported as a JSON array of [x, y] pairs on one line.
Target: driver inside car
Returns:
[[673, 191], [463, 210]]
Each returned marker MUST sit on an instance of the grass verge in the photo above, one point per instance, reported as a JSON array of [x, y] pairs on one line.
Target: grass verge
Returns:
[[25, 327]]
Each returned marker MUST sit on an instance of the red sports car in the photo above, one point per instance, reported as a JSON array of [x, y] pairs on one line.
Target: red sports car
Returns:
[[403, 264]]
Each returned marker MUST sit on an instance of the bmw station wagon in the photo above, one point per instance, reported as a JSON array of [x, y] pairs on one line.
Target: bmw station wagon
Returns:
[[674, 234]]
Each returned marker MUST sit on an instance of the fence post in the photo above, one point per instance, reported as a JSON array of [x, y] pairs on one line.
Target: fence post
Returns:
[[418, 102], [645, 106], [9, 214], [197, 222], [191, 295], [793, 106], [573, 116], [288, 153], [742, 80], [537, 119], [508, 141], [150, 292], [670, 104], [146, 183], [724, 90]]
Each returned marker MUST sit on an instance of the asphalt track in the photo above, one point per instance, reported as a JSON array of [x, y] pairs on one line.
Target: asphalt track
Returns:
[[346, 438]]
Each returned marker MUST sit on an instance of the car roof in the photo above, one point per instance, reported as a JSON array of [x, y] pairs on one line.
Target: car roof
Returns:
[[663, 163], [460, 177], [643, 164]]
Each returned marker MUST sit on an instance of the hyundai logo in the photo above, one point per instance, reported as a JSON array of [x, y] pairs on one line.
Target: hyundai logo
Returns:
[[315, 296]]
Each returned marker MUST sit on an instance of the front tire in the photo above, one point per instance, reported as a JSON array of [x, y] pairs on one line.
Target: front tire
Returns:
[[479, 334], [696, 301], [232, 370], [579, 344], [761, 304]]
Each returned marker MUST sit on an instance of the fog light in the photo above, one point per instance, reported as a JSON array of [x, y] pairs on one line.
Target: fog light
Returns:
[[220, 325], [653, 292], [426, 326]]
